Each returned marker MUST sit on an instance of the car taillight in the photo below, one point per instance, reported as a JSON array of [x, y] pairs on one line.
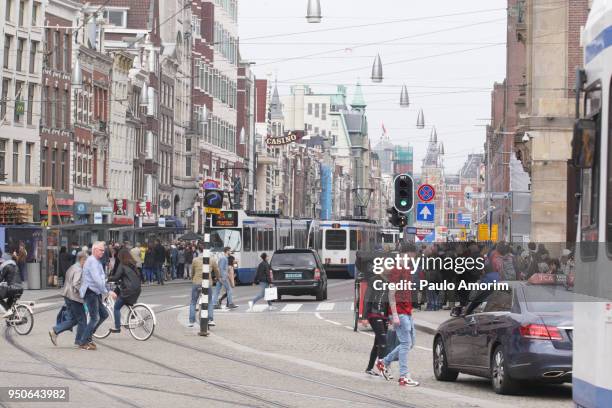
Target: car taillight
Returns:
[[540, 331], [317, 274]]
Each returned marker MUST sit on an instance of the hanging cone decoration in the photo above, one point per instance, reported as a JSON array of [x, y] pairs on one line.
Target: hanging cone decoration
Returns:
[[421, 120], [77, 74], [313, 14], [144, 95], [404, 99], [441, 148], [434, 135], [377, 71]]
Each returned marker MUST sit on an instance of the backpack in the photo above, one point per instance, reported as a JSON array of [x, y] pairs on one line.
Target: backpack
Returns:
[[507, 271]]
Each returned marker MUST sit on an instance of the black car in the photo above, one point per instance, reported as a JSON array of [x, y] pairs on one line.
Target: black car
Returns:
[[298, 272], [510, 336]]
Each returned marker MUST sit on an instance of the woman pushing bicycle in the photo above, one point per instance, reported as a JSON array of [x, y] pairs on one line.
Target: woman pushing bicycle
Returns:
[[128, 285]]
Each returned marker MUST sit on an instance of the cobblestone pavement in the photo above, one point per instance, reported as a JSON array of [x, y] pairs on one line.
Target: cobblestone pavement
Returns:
[[291, 357]]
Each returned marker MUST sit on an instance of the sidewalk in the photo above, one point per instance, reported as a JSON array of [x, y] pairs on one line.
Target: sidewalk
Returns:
[[55, 293], [428, 322]]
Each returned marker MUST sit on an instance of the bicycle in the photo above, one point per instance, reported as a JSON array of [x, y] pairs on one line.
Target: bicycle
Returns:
[[22, 317], [139, 319]]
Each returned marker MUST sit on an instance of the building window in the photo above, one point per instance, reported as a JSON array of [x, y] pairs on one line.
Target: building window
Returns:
[[63, 170], [116, 18], [188, 144], [323, 111], [66, 52], [43, 165], [53, 167], [43, 107], [19, 109], [52, 103], [19, 62], [57, 60], [7, 49], [21, 13], [2, 159], [33, 49], [9, 6], [28, 162], [34, 13], [188, 166], [66, 109], [316, 110], [30, 106], [16, 145], [4, 101]]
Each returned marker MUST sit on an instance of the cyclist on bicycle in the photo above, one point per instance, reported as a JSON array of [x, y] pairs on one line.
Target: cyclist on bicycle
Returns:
[[10, 283], [128, 285]]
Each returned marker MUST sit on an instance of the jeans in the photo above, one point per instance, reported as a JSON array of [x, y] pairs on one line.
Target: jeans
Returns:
[[195, 295], [211, 306], [173, 270], [262, 293], [224, 282], [158, 273], [433, 300], [148, 273], [405, 334], [97, 315], [119, 303], [379, 349], [78, 318], [187, 271]]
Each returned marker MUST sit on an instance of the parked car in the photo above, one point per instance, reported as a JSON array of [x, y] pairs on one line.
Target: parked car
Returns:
[[510, 336], [298, 272]]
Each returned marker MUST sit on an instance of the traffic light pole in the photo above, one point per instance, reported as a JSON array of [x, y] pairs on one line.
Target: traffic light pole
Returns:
[[206, 289]]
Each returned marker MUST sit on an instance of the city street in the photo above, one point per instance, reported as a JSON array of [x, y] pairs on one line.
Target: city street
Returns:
[[301, 354]]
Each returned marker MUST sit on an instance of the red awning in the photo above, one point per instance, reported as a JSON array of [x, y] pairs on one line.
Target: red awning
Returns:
[[60, 214]]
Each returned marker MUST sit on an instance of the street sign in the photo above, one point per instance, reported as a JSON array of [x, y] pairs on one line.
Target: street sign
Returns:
[[213, 198], [411, 230], [228, 219], [494, 232], [426, 193], [474, 196], [97, 218], [425, 212], [425, 234], [483, 232], [500, 196], [212, 210], [490, 195], [465, 219], [210, 184], [161, 222]]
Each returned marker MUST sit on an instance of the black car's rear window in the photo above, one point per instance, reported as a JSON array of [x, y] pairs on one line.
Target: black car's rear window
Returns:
[[549, 298], [293, 260], [335, 239]]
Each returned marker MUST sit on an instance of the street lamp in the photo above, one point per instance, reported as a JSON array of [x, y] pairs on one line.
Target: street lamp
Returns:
[[404, 100], [420, 120], [377, 71], [313, 14]]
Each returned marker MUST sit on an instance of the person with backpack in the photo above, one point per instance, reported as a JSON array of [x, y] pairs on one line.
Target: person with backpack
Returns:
[[128, 285], [73, 302], [376, 310]]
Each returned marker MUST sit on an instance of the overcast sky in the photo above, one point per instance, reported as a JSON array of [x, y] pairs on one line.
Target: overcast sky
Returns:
[[453, 89]]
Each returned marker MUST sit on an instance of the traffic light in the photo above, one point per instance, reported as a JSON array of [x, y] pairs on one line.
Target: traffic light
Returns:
[[403, 221], [403, 187], [393, 216]]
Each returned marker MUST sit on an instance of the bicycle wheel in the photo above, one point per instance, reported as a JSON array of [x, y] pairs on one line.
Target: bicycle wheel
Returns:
[[23, 320], [103, 330], [141, 322]]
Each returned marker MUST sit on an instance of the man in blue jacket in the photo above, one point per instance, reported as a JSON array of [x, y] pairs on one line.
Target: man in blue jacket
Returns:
[[93, 287], [224, 280]]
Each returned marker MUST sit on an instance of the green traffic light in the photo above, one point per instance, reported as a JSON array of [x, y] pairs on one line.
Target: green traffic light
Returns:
[[404, 203]]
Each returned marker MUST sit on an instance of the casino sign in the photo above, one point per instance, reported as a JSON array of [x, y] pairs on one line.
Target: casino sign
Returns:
[[289, 137]]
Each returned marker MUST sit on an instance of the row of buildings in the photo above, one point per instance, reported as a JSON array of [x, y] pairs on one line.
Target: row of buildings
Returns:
[[528, 143], [124, 109]]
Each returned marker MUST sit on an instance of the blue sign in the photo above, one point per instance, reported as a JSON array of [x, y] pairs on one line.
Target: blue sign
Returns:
[[425, 212], [80, 208], [213, 198], [465, 219]]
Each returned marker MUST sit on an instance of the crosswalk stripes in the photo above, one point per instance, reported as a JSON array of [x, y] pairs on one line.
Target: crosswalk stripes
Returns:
[[260, 308], [322, 307], [292, 307]]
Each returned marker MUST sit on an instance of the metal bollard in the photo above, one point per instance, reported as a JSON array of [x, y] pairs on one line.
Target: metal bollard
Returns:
[[205, 288]]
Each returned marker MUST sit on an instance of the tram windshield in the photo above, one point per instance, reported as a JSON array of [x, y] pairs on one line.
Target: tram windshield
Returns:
[[220, 238]]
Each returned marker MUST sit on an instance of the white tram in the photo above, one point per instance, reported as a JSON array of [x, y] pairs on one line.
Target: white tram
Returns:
[[592, 155]]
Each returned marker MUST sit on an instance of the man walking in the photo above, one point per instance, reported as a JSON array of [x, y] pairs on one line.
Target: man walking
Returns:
[[400, 303], [93, 287], [262, 279], [160, 258], [224, 281]]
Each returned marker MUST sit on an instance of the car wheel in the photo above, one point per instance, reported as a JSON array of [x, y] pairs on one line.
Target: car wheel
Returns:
[[320, 294], [500, 377], [325, 294], [440, 362]]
